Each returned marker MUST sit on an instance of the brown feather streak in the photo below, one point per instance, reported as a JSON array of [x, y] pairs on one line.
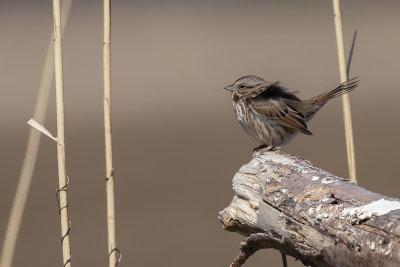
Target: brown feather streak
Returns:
[[280, 112]]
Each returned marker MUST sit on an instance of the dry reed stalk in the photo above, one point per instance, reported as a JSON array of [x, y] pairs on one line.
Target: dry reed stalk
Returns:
[[346, 100], [62, 176], [32, 148], [112, 245]]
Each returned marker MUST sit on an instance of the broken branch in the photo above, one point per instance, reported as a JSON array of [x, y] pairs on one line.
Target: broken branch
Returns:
[[284, 202]]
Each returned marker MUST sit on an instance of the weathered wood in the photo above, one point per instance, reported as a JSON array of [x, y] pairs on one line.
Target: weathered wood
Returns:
[[284, 202]]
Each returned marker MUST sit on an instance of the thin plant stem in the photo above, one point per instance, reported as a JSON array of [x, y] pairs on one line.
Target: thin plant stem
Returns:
[[346, 100], [351, 53], [32, 148], [284, 260], [112, 245], [62, 176]]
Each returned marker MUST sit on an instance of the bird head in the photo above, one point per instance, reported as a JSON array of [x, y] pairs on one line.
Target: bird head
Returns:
[[247, 85]]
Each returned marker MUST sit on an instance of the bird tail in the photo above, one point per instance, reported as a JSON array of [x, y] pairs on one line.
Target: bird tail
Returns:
[[341, 89]]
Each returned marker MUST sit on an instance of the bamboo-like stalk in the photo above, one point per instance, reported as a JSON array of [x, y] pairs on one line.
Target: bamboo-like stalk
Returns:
[[62, 176], [346, 100], [32, 148], [112, 246]]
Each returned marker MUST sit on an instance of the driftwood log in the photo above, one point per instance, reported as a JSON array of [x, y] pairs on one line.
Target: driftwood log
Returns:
[[284, 202]]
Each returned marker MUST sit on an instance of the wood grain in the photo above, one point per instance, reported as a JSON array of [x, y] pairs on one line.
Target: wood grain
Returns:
[[284, 202]]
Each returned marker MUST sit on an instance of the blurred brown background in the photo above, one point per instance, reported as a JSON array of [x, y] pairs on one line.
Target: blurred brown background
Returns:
[[176, 141]]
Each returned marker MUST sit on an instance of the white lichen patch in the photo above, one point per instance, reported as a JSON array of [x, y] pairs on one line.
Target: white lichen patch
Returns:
[[371, 244], [315, 178], [310, 211], [322, 212], [328, 180], [389, 249], [375, 208], [318, 208], [323, 215]]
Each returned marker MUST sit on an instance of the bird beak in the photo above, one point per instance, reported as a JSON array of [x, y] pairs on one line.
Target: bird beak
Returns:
[[230, 87]]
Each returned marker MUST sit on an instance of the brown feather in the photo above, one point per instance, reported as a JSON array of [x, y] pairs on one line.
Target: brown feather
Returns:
[[341, 89], [279, 112]]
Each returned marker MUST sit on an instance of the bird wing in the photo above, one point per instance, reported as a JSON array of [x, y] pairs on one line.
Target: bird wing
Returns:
[[278, 111]]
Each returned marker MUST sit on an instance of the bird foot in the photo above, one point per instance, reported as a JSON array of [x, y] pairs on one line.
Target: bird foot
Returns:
[[264, 148]]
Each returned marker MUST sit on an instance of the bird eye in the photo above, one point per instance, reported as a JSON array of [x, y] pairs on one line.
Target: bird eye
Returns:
[[241, 86]]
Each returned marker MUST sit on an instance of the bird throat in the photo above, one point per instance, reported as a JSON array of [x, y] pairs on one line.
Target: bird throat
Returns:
[[235, 97]]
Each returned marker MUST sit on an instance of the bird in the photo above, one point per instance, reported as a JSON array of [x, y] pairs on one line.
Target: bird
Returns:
[[272, 114]]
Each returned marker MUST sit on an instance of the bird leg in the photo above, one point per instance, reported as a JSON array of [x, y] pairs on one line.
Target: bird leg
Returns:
[[264, 148]]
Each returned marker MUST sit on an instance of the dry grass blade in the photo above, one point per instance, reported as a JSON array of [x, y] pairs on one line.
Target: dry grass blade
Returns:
[[346, 100], [351, 54]]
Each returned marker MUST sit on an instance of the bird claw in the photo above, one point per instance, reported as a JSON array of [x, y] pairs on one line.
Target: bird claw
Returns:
[[264, 148]]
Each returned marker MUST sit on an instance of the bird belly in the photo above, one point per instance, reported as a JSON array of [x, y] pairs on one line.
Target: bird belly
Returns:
[[242, 117], [263, 130]]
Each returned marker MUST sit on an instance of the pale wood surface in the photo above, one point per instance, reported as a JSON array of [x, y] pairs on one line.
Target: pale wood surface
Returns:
[[284, 202]]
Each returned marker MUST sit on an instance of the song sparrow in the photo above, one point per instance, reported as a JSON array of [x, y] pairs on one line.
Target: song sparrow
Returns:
[[272, 114]]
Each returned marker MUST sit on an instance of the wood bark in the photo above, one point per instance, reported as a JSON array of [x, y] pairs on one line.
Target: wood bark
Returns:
[[284, 202]]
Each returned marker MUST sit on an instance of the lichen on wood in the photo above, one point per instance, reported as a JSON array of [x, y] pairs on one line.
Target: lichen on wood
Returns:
[[284, 202]]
